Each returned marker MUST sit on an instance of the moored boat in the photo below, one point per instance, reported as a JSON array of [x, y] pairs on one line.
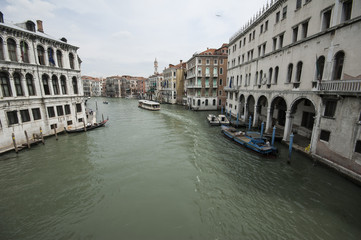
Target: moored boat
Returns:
[[260, 145], [87, 128], [213, 120], [223, 119], [149, 105]]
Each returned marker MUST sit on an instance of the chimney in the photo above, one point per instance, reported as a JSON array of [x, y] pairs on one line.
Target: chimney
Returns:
[[40, 25]]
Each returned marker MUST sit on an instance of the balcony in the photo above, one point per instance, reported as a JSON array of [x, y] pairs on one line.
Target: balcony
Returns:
[[194, 86], [345, 87]]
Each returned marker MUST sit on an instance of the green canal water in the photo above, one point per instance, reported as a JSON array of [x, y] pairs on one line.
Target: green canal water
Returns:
[[168, 175]]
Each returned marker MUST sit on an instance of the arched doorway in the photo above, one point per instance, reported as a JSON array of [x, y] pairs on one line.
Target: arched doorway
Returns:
[[303, 114], [250, 107], [261, 113]]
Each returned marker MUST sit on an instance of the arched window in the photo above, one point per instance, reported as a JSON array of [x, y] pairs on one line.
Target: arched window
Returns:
[[214, 102], [18, 87], [59, 57], [51, 57], [199, 102], [338, 65], [270, 73], [319, 67], [63, 85], [75, 85], [289, 73], [24, 48], [249, 79], [1, 49], [46, 84], [276, 75], [256, 78], [55, 82], [71, 60], [5, 84], [12, 49], [206, 102], [41, 56], [240, 81], [30, 84], [298, 71]]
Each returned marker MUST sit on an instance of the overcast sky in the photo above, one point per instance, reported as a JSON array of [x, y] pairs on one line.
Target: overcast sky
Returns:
[[123, 37]]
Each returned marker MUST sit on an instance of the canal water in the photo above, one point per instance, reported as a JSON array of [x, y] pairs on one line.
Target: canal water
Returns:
[[168, 175]]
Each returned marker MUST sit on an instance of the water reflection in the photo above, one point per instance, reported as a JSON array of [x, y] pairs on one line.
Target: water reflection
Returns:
[[168, 175]]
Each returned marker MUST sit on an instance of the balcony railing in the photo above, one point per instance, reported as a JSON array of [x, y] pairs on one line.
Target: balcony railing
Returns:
[[230, 89], [343, 86], [194, 86]]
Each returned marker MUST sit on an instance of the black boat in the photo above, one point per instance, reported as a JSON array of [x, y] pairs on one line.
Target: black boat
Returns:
[[87, 128]]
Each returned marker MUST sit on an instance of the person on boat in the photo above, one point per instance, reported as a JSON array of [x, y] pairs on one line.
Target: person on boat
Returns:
[[267, 144]]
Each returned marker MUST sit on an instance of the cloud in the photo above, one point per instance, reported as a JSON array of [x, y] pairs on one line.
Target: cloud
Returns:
[[124, 37]]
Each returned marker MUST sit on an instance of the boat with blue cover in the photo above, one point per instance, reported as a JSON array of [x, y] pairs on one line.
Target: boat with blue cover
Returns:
[[257, 144]]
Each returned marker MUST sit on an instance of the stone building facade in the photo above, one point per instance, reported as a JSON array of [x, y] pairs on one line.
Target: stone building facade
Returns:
[[40, 83], [206, 78], [295, 65]]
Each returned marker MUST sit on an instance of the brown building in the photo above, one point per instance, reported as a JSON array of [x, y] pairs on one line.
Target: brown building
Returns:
[[206, 78]]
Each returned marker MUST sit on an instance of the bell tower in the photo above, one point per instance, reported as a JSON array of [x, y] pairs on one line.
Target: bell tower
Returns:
[[155, 66]]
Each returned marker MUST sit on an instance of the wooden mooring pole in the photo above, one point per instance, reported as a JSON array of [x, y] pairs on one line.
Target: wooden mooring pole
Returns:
[[56, 134], [41, 136], [84, 126], [14, 142], [27, 138]]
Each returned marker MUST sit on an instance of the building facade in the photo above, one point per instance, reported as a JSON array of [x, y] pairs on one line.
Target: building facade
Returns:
[[206, 78], [168, 92], [40, 83], [296, 66]]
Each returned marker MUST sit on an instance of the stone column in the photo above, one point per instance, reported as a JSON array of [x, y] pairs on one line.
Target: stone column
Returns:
[[288, 125], [256, 115], [269, 119], [6, 51], [245, 114], [18, 53]]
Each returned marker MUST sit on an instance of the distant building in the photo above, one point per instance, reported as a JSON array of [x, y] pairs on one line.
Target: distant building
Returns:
[[296, 66], [155, 84], [168, 91], [92, 86], [206, 78], [40, 83]]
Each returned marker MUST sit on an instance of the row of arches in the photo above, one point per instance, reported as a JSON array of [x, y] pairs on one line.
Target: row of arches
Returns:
[[20, 52], [288, 115], [18, 85]]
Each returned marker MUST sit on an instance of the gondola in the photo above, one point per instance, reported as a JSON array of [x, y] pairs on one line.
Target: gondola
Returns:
[[87, 128]]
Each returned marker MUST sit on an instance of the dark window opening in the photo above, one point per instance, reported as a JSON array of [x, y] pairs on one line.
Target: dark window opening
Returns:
[[5, 85], [325, 135], [70, 122], [63, 85], [326, 20], [12, 117], [18, 87], [78, 107], [67, 109], [51, 112], [80, 120], [59, 57], [24, 48], [46, 84], [330, 108], [338, 65], [307, 120], [358, 146], [41, 57], [55, 85], [75, 85], [319, 67], [346, 10], [12, 50], [25, 116], [59, 110], [53, 126], [36, 113]]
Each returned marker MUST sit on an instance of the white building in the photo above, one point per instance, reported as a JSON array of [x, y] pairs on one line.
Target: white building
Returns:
[[40, 83], [296, 65]]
